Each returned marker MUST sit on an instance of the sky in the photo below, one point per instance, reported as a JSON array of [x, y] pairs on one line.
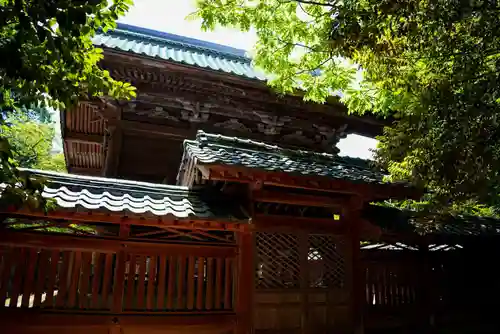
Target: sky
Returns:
[[169, 16]]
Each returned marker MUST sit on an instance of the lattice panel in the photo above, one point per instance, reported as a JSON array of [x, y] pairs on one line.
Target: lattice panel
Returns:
[[278, 264], [326, 262]]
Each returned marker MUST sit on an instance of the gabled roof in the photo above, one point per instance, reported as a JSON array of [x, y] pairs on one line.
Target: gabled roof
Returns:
[[131, 197], [218, 149], [179, 49]]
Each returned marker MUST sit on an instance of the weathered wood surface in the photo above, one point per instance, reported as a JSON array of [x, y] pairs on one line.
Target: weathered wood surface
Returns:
[[301, 282], [65, 273]]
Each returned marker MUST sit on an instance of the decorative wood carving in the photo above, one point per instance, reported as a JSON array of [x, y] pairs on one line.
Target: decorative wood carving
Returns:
[[329, 137], [233, 124], [195, 112], [298, 137], [157, 112]]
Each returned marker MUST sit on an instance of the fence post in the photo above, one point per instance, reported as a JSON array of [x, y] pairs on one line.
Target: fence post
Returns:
[[352, 216], [245, 283], [119, 281]]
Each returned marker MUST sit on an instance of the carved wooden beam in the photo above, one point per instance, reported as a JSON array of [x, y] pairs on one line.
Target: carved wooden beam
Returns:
[[154, 130]]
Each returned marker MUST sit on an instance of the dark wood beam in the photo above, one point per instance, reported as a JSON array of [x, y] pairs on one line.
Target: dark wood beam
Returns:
[[282, 223], [79, 137], [38, 321], [37, 240], [155, 130], [298, 199]]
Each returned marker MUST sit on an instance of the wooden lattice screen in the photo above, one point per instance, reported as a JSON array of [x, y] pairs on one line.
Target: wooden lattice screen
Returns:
[[279, 258], [325, 262]]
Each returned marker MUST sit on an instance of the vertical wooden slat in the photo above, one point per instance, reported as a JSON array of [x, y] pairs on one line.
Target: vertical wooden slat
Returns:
[[8, 260], [218, 283], [210, 284], [106, 280], [85, 280], [41, 277], [162, 283], [181, 276], [96, 280], [29, 279], [369, 282], [55, 255], [119, 282], [190, 281], [151, 283], [75, 279], [129, 299], [199, 285], [171, 281], [141, 281], [19, 269], [228, 283], [63, 279]]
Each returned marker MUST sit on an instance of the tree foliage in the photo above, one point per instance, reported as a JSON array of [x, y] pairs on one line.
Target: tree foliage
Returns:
[[31, 142], [48, 59], [431, 65]]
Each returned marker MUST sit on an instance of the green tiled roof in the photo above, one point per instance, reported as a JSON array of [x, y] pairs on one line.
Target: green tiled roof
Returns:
[[217, 149], [179, 49], [78, 192]]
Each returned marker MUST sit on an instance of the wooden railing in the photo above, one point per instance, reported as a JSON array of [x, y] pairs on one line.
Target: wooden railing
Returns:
[[131, 279]]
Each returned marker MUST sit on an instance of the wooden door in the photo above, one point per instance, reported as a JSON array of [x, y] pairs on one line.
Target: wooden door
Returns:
[[302, 283]]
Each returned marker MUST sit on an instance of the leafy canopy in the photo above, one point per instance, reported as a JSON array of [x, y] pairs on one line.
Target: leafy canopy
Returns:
[[47, 59], [31, 142], [431, 65]]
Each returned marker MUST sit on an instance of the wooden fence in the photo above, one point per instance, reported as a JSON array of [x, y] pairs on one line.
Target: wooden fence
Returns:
[[145, 278], [449, 290]]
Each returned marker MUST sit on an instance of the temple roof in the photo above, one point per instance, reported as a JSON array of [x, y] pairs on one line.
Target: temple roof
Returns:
[[121, 196], [218, 149], [179, 49]]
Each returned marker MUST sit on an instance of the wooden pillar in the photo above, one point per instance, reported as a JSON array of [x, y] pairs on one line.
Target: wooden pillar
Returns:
[[119, 281], [304, 281], [115, 138], [358, 285], [245, 283]]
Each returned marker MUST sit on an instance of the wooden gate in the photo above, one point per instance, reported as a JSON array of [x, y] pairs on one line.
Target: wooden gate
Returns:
[[302, 282]]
